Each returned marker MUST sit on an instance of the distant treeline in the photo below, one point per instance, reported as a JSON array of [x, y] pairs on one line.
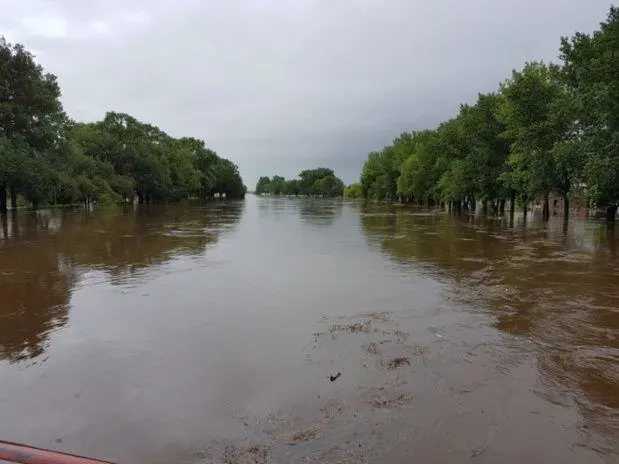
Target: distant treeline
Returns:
[[311, 182], [46, 158], [550, 129]]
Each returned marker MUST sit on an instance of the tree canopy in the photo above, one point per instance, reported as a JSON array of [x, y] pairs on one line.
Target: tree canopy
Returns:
[[320, 182], [45, 157], [548, 129], [354, 190]]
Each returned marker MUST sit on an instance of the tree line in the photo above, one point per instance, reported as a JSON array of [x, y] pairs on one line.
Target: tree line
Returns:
[[550, 129], [311, 182], [46, 158]]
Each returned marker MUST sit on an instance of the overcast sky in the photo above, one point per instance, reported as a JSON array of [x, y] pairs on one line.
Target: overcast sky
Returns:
[[283, 85]]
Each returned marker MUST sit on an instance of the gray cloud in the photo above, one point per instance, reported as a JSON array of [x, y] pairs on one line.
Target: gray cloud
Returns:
[[279, 86]]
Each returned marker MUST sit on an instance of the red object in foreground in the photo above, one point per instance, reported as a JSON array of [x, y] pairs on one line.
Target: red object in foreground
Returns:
[[14, 452]]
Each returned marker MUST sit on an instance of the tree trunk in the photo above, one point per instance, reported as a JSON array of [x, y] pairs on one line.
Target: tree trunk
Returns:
[[5, 227], [502, 206], [14, 224], [495, 207], [566, 207], [473, 205], [484, 207], [13, 196], [512, 204], [611, 213], [546, 208], [140, 198], [3, 199], [524, 212]]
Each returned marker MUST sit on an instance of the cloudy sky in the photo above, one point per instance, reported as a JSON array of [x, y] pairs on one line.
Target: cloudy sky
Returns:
[[282, 85]]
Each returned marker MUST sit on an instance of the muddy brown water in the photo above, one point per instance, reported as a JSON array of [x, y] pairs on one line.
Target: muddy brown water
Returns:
[[189, 334]]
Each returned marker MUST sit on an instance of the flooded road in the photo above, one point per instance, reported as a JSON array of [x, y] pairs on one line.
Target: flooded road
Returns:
[[216, 334]]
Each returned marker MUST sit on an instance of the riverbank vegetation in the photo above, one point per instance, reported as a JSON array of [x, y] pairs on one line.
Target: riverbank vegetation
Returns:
[[354, 190], [549, 130], [46, 158], [321, 182]]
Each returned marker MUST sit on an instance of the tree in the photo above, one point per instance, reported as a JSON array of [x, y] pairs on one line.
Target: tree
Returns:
[[531, 110], [263, 185], [380, 174], [32, 120], [591, 74], [329, 186], [292, 187], [354, 190], [408, 182], [487, 150], [277, 186], [308, 179], [228, 180], [311, 182]]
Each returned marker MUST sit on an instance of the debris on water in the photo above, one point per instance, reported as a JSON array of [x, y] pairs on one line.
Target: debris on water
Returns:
[[305, 435], [479, 451], [371, 348], [333, 378], [378, 316], [397, 362], [382, 400], [357, 327], [233, 454], [400, 335], [332, 408]]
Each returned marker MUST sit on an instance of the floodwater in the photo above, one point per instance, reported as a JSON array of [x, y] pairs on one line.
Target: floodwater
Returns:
[[185, 334]]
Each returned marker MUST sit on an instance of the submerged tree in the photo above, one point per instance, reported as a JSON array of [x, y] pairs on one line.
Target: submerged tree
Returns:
[[32, 125], [591, 75], [532, 110]]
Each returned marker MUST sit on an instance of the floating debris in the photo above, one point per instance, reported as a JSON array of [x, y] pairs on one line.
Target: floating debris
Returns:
[[397, 362], [357, 327]]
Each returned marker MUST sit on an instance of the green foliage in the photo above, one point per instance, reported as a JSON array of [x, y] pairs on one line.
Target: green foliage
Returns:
[[46, 158], [277, 185], [311, 182], [262, 187], [292, 187], [354, 190], [549, 129], [590, 74], [532, 108], [380, 174]]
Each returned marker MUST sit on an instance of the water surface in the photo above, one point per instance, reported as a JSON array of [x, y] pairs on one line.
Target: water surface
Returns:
[[194, 334]]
